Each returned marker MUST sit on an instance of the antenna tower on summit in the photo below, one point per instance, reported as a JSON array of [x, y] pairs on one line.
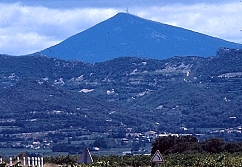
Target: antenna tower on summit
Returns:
[[127, 10]]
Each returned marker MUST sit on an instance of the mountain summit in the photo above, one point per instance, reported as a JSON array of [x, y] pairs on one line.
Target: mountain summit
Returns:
[[128, 35]]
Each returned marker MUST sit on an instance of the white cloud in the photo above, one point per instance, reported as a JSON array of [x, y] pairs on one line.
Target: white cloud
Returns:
[[23, 43], [220, 20], [25, 29]]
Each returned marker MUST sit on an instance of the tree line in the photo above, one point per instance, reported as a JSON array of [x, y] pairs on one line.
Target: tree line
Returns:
[[190, 144]]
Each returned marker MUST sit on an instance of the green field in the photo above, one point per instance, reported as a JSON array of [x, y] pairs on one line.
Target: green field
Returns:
[[170, 160]]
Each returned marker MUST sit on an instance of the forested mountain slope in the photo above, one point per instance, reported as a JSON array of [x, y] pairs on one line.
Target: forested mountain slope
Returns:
[[38, 93]]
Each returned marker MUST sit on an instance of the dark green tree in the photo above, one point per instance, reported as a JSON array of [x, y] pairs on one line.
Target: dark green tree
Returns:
[[214, 145], [101, 142], [233, 147], [173, 144], [163, 143]]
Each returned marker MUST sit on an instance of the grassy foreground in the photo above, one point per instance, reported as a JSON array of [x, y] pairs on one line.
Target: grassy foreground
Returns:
[[171, 160]]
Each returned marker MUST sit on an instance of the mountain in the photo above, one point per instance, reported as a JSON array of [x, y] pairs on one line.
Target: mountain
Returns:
[[199, 94], [129, 35]]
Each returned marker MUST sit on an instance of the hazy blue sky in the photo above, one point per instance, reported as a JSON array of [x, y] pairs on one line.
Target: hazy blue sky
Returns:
[[27, 26]]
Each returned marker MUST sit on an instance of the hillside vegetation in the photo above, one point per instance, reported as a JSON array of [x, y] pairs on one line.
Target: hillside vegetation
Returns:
[[143, 94], [43, 98]]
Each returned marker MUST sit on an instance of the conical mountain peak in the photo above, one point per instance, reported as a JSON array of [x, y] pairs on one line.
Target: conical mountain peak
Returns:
[[128, 35]]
